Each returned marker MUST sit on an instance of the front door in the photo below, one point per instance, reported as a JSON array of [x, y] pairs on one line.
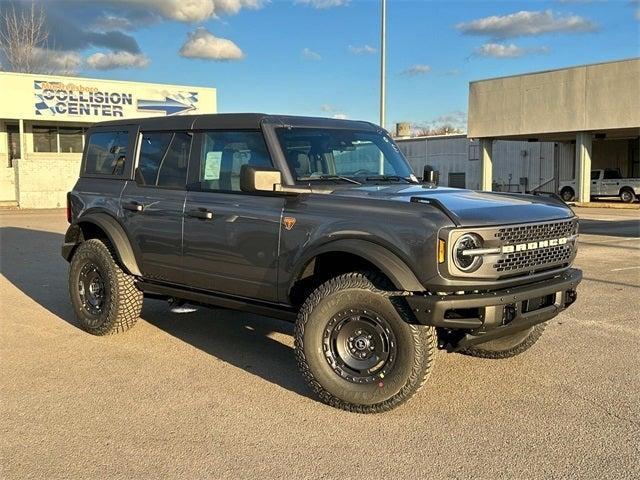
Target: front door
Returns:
[[153, 204], [231, 237]]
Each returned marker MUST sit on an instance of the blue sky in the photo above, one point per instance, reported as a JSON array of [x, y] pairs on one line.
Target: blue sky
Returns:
[[320, 57]]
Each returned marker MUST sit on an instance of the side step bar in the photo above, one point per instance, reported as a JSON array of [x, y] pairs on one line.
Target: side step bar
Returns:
[[203, 297]]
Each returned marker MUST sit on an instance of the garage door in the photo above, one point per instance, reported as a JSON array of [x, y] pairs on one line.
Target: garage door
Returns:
[[457, 180]]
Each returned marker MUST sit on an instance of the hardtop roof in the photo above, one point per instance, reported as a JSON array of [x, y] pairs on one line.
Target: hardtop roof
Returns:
[[234, 121]]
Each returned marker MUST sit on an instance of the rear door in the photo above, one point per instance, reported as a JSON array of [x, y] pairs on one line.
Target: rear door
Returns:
[[230, 237], [153, 204], [610, 184]]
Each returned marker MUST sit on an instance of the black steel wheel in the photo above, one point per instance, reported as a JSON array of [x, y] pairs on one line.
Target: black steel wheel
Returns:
[[104, 297], [359, 349], [359, 345], [92, 289]]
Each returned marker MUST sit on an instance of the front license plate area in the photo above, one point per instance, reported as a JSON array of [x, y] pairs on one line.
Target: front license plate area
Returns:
[[537, 303]]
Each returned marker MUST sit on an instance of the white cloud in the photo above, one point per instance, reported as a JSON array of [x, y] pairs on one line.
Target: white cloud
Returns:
[[415, 70], [57, 61], [322, 4], [335, 112], [363, 49], [310, 54], [526, 23], [498, 50], [203, 44], [194, 10], [113, 60]]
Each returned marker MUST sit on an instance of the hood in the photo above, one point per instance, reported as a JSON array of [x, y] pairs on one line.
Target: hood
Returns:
[[469, 207]]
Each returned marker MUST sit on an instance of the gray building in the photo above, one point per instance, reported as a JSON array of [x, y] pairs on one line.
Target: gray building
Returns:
[[518, 166], [595, 108]]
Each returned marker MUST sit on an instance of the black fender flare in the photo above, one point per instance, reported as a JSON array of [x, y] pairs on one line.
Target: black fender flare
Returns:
[[114, 232], [385, 260]]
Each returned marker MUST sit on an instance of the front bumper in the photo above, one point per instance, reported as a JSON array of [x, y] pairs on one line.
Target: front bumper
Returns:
[[490, 315]]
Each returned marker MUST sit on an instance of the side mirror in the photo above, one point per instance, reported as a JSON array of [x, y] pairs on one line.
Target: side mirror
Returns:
[[430, 175], [259, 179]]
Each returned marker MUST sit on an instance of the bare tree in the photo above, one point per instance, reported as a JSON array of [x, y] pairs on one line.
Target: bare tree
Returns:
[[24, 40]]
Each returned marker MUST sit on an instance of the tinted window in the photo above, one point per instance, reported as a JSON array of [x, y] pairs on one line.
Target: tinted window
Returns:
[[107, 153], [164, 159], [611, 174], [224, 153], [595, 175]]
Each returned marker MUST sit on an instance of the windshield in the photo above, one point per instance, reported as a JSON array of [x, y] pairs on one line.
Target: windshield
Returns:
[[335, 154]]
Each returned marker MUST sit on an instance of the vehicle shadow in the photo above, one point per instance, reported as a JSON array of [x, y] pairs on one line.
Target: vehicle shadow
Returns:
[[31, 261], [616, 228]]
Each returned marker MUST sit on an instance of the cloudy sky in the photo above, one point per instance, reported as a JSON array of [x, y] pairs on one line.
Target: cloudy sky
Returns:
[[320, 57]]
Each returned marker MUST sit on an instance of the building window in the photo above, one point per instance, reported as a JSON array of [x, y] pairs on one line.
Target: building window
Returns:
[[45, 139], [13, 140], [474, 150], [457, 180], [57, 139], [70, 139]]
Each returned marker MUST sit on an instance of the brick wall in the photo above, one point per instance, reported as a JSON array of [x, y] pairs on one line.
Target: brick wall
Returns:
[[45, 178]]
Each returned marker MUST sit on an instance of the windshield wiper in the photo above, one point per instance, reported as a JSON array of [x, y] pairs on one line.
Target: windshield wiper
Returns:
[[329, 177], [388, 178]]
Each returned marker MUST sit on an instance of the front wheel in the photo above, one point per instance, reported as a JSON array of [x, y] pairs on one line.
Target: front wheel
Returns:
[[508, 346], [357, 350]]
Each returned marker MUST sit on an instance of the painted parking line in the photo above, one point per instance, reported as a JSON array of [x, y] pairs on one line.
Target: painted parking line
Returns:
[[624, 268]]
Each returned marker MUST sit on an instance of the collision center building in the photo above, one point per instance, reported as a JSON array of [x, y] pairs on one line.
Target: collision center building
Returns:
[[43, 119]]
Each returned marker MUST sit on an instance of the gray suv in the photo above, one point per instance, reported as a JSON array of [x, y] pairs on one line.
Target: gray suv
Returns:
[[320, 222]]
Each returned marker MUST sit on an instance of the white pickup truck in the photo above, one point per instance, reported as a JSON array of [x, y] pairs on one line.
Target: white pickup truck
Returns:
[[606, 182]]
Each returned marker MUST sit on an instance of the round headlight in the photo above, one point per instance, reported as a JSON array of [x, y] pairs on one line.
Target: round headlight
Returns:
[[467, 263]]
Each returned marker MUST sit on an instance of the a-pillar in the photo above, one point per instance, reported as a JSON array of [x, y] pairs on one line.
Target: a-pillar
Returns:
[[486, 164], [583, 166]]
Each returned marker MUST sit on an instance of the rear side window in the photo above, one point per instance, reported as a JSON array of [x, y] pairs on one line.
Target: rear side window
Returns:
[[107, 153], [163, 161]]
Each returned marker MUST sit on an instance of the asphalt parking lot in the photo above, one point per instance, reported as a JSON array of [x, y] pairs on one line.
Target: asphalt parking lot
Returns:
[[216, 394]]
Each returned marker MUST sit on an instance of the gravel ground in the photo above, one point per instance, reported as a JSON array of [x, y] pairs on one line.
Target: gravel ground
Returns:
[[216, 394]]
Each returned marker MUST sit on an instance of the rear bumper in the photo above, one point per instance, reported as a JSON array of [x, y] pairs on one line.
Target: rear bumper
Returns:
[[499, 313]]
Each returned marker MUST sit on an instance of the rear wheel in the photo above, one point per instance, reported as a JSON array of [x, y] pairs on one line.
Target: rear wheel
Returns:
[[357, 350], [627, 195], [104, 298], [509, 346], [567, 194]]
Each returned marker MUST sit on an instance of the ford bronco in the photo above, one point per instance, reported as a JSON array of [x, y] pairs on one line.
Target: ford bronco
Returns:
[[320, 222]]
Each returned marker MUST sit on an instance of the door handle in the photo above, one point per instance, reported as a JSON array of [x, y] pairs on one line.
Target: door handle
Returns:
[[201, 214], [133, 206]]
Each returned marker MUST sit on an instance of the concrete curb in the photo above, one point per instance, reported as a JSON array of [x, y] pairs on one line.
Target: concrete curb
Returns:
[[620, 206]]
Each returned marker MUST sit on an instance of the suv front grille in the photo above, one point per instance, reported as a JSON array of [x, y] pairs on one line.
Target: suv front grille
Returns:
[[536, 259], [536, 232]]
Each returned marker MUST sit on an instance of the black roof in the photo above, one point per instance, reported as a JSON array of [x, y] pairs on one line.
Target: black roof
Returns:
[[236, 121]]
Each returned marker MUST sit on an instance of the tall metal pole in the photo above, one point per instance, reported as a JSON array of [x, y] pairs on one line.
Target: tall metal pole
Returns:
[[383, 63]]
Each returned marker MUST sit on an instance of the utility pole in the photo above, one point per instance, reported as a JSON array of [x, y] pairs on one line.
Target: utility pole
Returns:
[[383, 63]]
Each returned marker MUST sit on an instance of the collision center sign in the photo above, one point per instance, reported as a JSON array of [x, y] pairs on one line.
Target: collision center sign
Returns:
[[90, 100]]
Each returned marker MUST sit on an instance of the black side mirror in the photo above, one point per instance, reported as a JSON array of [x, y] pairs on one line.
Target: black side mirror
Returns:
[[259, 179], [430, 175]]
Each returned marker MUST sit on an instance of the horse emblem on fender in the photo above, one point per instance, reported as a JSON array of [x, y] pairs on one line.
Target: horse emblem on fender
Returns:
[[288, 222]]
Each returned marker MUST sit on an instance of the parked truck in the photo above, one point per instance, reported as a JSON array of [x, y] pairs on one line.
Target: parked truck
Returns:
[[607, 182]]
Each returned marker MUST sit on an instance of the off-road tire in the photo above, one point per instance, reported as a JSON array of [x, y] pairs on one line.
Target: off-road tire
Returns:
[[123, 300], [627, 195], [508, 346], [416, 345], [567, 194]]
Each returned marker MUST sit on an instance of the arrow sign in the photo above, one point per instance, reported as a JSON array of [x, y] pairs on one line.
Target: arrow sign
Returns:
[[169, 106]]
